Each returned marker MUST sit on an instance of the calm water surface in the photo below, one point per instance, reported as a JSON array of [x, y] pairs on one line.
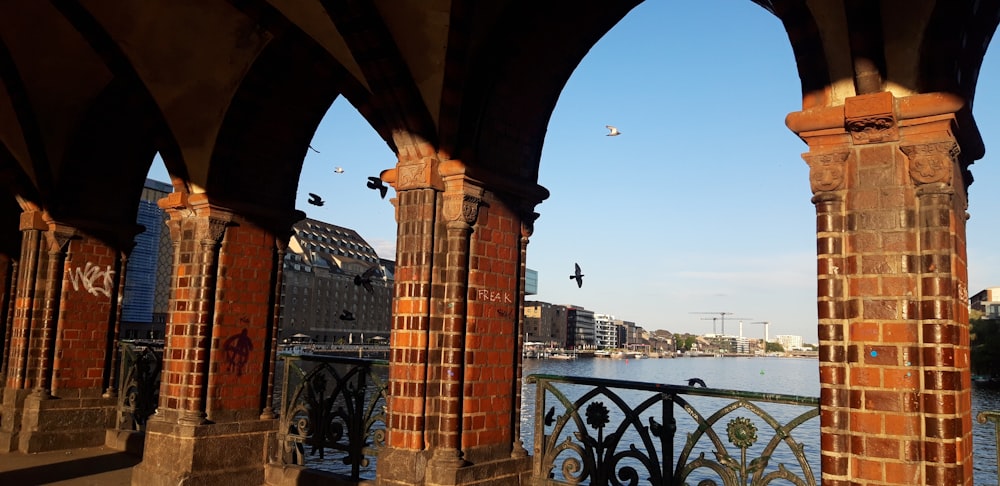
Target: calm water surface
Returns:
[[792, 376]]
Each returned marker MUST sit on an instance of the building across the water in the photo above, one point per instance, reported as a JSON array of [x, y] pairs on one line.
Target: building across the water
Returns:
[[335, 288]]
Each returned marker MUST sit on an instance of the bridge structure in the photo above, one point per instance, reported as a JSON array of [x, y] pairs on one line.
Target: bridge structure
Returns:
[[229, 93]]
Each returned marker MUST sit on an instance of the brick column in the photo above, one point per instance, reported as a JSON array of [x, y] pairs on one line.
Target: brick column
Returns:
[[527, 229], [10, 270], [453, 376], [212, 422], [66, 311], [892, 290], [461, 209]]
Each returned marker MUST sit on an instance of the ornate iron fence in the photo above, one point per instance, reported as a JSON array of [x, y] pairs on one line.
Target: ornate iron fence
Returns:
[[992, 416], [595, 431], [140, 383], [334, 404]]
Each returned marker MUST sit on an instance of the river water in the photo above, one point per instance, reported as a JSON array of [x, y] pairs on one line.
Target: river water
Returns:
[[793, 376]]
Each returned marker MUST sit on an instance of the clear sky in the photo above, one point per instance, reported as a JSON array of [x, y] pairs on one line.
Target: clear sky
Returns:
[[702, 204]]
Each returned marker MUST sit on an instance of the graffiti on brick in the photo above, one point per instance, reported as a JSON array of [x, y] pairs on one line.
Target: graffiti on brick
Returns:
[[237, 349], [93, 279], [493, 296]]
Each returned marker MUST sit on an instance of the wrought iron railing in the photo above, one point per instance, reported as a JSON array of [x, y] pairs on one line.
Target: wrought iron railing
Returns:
[[333, 406], [992, 416], [139, 377], [609, 432]]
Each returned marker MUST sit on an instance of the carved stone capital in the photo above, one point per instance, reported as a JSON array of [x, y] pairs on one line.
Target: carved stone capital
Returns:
[[826, 170], [462, 207], [211, 229], [932, 162], [58, 238], [528, 224], [871, 118]]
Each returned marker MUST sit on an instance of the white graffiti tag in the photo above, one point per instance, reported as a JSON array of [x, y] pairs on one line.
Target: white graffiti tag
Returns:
[[94, 280]]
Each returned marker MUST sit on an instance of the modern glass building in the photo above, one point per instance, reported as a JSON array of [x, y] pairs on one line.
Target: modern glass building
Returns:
[[148, 257]]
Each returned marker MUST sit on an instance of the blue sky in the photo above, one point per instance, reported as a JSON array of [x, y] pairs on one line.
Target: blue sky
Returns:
[[701, 205]]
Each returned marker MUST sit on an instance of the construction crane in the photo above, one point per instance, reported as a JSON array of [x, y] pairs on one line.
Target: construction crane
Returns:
[[713, 319], [722, 316], [766, 337]]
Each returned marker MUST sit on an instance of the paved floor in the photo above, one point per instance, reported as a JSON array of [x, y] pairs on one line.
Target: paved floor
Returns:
[[98, 466]]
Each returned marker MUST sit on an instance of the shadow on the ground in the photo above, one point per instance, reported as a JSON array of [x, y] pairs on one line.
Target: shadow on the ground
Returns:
[[67, 470]]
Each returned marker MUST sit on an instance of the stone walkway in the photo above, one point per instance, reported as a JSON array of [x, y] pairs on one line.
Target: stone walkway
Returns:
[[97, 466]]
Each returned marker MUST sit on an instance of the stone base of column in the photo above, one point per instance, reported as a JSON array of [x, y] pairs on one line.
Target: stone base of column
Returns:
[[11, 413], [399, 467], [78, 418], [223, 454]]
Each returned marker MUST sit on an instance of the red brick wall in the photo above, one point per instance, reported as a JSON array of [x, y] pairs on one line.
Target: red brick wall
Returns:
[[491, 336], [242, 317], [87, 314]]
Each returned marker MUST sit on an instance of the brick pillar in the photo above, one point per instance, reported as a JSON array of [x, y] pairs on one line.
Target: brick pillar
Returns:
[[527, 229], [890, 195], [61, 342], [9, 268], [453, 376], [208, 428]]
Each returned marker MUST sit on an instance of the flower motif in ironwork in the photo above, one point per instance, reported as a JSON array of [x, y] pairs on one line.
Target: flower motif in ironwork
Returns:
[[742, 432], [597, 415]]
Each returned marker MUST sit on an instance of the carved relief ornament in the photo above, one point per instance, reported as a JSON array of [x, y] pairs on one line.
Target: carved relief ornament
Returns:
[[932, 162], [826, 170], [462, 207], [873, 129]]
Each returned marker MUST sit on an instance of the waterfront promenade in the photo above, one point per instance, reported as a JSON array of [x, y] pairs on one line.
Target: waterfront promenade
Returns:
[[96, 466]]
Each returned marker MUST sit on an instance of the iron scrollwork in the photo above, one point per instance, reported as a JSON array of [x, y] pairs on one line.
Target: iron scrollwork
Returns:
[[335, 404], [594, 433]]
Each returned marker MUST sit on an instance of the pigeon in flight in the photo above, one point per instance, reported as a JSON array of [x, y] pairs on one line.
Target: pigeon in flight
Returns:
[[347, 315], [376, 183], [696, 382], [613, 131], [577, 275], [314, 150], [339, 170], [315, 200], [365, 279]]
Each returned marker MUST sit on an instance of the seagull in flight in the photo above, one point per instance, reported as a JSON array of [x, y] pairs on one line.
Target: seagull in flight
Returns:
[[696, 382], [339, 170], [376, 183], [613, 131], [347, 315], [577, 275], [315, 200]]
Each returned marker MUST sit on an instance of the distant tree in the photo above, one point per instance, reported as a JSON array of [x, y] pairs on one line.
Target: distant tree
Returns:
[[985, 343], [774, 348]]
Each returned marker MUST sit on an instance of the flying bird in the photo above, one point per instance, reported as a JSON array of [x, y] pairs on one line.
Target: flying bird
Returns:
[[613, 131], [315, 200], [376, 183], [577, 275], [339, 170], [365, 279], [347, 315], [314, 150], [696, 382]]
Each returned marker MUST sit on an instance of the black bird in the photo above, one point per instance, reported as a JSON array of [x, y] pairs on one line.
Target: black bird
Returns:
[[365, 279], [315, 200], [347, 315], [696, 382], [577, 275], [376, 183], [314, 150]]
